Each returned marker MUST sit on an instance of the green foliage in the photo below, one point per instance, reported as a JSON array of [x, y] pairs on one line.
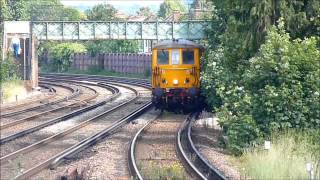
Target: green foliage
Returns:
[[168, 7], [112, 46], [38, 10], [241, 130], [156, 171], [101, 12], [1, 38], [206, 7], [144, 11], [4, 11], [271, 81], [283, 80], [71, 14], [9, 69], [278, 89], [16, 9], [61, 55]]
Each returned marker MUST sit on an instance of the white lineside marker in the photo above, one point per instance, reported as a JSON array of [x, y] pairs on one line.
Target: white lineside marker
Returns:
[[309, 168], [267, 145]]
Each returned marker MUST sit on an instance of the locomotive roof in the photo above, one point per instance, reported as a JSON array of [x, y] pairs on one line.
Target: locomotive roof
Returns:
[[176, 43]]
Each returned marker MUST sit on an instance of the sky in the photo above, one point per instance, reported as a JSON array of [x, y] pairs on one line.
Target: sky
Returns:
[[127, 6]]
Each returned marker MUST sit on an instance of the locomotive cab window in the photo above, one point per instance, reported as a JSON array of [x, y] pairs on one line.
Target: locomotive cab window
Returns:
[[175, 57], [188, 57], [163, 56]]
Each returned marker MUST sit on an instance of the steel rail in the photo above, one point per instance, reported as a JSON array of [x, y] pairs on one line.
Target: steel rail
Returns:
[[84, 143], [59, 135], [199, 166], [106, 79], [75, 92], [54, 161], [133, 168], [58, 119], [87, 99]]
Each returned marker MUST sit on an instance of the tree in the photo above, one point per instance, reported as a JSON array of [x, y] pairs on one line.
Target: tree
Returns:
[[37, 10], [42, 10], [106, 12], [144, 11], [168, 7], [257, 83], [101, 12], [112, 46], [202, 9], [4, 11], [61, 54], [16, 9], [71, 14]]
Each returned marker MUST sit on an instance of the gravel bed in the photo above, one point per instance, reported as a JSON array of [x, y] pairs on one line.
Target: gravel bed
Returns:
[[205, 136], [30, 96], [53, 148], [102, 94], [58, 127], [105, 160], [43, 119], [60, 93], [156, 149]]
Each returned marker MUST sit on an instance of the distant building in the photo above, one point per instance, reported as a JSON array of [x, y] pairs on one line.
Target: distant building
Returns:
[[201, 9], [175, 16], [121, 15], [136, 18]]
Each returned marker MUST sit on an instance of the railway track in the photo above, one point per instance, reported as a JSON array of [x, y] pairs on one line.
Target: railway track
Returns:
[[25, 125], [130, 109], [35, 99], [32, 114], [153, 149], [193, 164], [191, 156], [196, 165], [42, 104], [54, 120]]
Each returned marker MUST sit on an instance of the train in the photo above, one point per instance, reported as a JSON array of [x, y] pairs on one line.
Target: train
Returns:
[[176, 75]]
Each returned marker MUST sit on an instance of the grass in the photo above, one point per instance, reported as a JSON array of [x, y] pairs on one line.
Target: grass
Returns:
[[12, 88], [287, 158], [156, 171]]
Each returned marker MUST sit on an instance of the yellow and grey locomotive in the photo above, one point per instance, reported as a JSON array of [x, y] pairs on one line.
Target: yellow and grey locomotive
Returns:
[[176, 75]]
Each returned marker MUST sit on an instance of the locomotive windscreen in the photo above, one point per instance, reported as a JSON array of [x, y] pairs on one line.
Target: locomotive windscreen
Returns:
[[163, 56], [188, 57]]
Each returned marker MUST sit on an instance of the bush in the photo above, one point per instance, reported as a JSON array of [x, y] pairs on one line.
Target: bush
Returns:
[[277, 89], [61, 55], [112, 46], [241, 131], [9, 69], [283, 81]]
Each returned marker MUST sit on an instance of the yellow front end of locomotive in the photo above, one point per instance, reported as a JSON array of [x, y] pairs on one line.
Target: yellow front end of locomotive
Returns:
[[176, 68]]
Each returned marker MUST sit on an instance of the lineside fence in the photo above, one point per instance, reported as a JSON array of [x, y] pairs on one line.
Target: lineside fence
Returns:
[[117, 62]]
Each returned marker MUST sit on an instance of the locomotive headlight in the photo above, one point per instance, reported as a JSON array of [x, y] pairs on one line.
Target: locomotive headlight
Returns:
[[175, 81]]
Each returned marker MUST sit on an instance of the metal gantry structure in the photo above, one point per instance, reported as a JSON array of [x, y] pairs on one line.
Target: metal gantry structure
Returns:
[[90, 30]]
